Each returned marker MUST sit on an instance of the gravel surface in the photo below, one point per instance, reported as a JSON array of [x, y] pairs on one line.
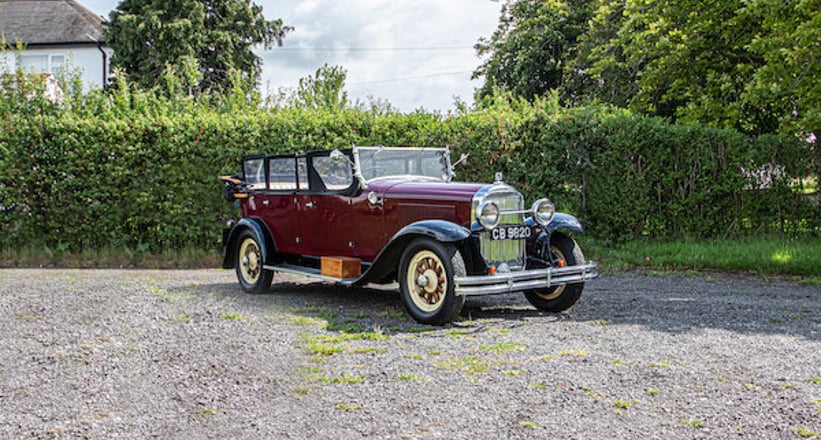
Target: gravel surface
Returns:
[[185, 354]]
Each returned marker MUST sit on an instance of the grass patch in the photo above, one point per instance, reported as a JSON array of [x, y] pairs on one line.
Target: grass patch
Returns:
[[691, 422], [765, 255], [469, 364], [348, 407], [577, 353], [504, 347], [233, 316], [806, 433], [528, 424], [409, 377]]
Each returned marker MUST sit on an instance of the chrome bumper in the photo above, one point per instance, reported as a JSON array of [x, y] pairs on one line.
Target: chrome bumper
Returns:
[[524, 280]]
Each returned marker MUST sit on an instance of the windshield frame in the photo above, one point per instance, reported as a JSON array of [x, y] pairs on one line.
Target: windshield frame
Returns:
[[444, 150]]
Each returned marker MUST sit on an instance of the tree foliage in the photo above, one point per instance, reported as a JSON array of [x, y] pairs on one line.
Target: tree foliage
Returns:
[[324, 90], [530, 47], [750, 65], [198, 41]]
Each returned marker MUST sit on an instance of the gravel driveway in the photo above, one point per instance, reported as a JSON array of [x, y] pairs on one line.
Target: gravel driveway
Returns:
[[185, 354]]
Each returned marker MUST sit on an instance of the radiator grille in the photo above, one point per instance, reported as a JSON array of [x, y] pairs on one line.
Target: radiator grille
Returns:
[[510, 252]]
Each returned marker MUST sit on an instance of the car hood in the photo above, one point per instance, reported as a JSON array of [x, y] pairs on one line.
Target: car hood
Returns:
[[425, 190]]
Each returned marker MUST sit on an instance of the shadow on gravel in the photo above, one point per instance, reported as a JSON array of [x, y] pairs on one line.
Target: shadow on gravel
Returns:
[[670, 303], [677, 303]]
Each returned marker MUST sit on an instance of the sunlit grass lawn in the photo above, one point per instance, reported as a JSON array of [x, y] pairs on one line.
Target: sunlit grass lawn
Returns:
[[773, 255]]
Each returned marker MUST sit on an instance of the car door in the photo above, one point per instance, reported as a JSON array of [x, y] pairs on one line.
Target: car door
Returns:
[[337, 226], [278, 204]]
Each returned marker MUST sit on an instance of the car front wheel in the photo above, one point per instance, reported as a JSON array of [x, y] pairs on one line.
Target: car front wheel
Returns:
[[564, 252], [426, 272], [252, 277]]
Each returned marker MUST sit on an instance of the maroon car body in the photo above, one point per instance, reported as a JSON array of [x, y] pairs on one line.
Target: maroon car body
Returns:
[[397, 214]]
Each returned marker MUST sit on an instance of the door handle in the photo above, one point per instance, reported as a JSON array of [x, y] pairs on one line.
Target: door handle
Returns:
[[309, 204]]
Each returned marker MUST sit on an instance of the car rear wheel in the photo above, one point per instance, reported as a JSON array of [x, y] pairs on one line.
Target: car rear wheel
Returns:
[[252, 277], [426, 272], [564, 252]]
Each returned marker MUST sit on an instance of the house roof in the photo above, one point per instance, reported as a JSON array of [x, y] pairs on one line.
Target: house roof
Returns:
[[48, 22]]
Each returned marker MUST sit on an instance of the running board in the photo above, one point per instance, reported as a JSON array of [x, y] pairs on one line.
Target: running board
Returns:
[[309, 272]]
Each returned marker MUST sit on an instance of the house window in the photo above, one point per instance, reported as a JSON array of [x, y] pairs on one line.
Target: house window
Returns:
[[43, 63]]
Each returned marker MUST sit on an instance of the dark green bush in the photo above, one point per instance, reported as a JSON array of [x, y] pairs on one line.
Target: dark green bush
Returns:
[[135, 171]]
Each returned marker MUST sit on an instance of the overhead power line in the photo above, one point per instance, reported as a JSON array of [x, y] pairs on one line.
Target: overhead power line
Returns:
[[409, 78], [373, 49]]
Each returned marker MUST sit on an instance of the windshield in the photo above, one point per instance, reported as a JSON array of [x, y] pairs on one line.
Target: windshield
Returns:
[[382, 162]]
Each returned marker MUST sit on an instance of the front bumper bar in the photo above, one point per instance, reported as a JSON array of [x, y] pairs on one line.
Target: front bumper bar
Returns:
[[523, 280]]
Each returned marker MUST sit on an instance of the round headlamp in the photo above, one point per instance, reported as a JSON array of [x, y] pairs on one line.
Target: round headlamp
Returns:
[[543, 211], [488, 215]]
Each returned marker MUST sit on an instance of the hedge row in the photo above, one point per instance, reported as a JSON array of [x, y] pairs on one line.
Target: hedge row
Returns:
[[147, 180]]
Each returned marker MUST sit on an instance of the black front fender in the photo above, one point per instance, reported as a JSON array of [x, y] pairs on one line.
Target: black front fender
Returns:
[[385, 265], [559, 221], [260, 234]]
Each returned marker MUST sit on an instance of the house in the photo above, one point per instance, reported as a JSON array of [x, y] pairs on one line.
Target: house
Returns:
[[57, 35]]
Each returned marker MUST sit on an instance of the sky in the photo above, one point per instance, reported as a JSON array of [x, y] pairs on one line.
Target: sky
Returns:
[[413, 53]]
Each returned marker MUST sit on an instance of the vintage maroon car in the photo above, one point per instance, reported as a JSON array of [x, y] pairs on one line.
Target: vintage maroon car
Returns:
[[376, 214]]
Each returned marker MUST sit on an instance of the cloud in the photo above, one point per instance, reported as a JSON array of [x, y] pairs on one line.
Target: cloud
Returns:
[[409, 79], [428, 76]]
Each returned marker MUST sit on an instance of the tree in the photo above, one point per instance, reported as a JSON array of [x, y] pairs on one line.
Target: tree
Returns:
[[200, 40], [789, 45], [529, 50], [752, 65], [326, 89]]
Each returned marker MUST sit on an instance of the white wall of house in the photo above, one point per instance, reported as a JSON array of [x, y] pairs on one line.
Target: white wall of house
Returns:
[[87, 60]]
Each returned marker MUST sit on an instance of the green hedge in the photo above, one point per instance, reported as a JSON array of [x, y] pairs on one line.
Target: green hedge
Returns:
[[130, 175]]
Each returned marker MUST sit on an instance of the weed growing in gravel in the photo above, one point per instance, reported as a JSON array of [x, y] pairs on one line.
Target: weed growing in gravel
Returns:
[[410, 377], [617, 363], [504, 347], [806, 433], [515, 373], [528, 424], [691, 422], [458, 333], [348, 407], [651, 392], [206, 411], [537, 385], [27, 318], [413, 356], [500, 331], [815, 380], [182, 318], [302, 390], [601, 323], [622, 404], [547, 357], [751, 386], [366, 350], [305, 320], [233, 316], [324, 349], [577, 353], [337, 380], [434, 352], [469, 364]]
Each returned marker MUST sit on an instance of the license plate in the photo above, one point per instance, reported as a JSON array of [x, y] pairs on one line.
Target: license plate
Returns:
[[510, 232]]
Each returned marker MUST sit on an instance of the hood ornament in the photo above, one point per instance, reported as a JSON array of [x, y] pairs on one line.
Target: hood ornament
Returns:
[[498, 177]]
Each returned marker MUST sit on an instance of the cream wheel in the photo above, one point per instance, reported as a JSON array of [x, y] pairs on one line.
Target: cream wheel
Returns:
[[426, 281], [426, 272], [248, 261]]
